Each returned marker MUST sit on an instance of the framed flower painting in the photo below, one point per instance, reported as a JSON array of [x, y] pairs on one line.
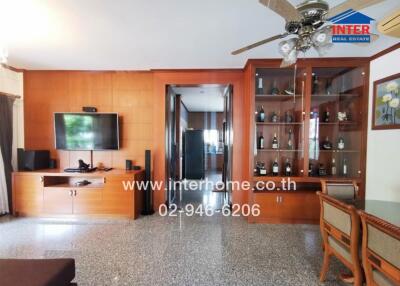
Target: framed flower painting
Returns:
[[386, 104]]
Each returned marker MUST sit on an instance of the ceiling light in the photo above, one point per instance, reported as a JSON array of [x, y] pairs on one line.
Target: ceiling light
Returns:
[[286, 47], [290, 59]]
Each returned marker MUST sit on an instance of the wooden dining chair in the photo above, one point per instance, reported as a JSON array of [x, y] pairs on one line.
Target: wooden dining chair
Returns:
[[340, 189], [380, 251], [340, 227]]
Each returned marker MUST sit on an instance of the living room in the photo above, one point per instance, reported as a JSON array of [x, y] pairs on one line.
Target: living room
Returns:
[[295, 138]]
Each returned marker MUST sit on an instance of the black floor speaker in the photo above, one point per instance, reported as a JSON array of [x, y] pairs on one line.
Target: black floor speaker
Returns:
[[148, 192]]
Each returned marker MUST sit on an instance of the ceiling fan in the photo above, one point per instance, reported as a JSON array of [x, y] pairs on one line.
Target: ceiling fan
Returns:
[[306, 22]]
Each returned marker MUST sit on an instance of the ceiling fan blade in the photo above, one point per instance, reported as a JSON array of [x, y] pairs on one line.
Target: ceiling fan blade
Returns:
[[351, 4], [282, 8], [252, 46]]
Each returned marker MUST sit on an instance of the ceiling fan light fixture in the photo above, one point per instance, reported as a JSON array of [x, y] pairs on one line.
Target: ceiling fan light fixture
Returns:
[[287, 46], [323, 50], [290, 59], [322, 37]]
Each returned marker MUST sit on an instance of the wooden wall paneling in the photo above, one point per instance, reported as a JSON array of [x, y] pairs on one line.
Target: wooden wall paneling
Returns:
[[132, 99], [128, 93]]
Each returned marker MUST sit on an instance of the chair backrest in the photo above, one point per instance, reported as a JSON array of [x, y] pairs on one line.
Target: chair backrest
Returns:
[[340, 228], [380, 251], [344, 190]]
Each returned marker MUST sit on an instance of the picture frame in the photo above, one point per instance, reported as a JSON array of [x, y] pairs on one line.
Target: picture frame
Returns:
[[386, 103]]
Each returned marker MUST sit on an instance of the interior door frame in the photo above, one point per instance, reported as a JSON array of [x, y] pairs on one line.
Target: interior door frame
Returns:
[[171, 119]]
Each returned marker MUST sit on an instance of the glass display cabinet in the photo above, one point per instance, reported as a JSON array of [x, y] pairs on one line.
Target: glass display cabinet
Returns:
[[335, 128], [308, 122], [279, 122]]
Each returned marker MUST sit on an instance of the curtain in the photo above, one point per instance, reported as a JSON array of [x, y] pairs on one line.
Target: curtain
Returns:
[[6, 140], [3, 189]]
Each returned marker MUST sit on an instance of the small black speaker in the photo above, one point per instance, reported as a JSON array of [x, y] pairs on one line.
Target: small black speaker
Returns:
[[36, 159], [128, 165], [148, 197], [53, 164]]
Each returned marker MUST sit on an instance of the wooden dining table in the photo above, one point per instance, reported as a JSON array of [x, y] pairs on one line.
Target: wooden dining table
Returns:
[[387, 211]]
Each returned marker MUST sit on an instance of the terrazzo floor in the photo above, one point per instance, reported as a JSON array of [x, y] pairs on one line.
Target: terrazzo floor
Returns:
[[173, 250]]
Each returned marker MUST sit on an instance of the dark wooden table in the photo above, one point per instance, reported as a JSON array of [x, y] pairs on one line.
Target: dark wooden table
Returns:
[[387, 211]]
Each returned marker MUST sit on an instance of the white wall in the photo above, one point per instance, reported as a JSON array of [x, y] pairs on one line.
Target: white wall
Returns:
[[383, 154], [12, 82]]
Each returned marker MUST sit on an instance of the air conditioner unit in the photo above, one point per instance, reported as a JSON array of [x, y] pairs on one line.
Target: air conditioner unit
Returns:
[[390, 25]]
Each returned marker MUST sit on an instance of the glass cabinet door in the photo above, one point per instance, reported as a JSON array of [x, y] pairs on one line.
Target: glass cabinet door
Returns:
[[279, 122], [335, 129]]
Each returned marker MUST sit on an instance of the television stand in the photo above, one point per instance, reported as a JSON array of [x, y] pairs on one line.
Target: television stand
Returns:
[[52, 193]]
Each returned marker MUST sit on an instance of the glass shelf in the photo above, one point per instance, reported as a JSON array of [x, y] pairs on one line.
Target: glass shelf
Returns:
[[336, 93], [283, 118]]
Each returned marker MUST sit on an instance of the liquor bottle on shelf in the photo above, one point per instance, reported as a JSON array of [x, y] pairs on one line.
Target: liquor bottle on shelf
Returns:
[[326, 116], [261, 170], [261, 141], [275, 168], [260, 86], [315, 86], [321, 170], [311, 171], [340, 144], [290, 140], [288, 168], [288, 117], [275, 144], [275, 90], [274, 117], [333, 167], [328, 86], [261, 114], [326, 144], [345, 168], [314, 114]]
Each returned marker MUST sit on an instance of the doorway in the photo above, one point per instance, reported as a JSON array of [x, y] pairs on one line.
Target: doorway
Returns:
[[199, 145]]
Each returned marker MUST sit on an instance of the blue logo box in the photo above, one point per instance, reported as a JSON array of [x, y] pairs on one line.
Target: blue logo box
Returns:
[[351, 38]]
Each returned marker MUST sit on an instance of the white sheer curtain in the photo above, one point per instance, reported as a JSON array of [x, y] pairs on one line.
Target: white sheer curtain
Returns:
[[3, 189]]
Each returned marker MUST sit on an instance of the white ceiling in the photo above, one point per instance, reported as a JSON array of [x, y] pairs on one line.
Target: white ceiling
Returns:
[[150, 34], [207, 98]]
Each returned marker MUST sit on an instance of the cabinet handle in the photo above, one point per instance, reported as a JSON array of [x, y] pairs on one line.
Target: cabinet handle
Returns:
[[281, 199], [70, 192], [41, 179], [277, 199], [75, 193]]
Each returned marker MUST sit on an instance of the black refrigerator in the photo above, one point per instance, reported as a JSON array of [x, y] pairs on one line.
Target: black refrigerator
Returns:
[[193, 155]]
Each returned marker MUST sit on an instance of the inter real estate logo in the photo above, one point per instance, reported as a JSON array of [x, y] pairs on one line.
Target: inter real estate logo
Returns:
[[351, 27]]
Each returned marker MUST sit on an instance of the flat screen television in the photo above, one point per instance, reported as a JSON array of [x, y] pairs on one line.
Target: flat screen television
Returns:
[[86, 131]]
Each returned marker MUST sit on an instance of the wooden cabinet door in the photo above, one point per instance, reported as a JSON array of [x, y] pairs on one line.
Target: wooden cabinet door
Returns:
[[28, 194], [88, 201], [299, 207], [268, 205], [57, 201], [116, 200]]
